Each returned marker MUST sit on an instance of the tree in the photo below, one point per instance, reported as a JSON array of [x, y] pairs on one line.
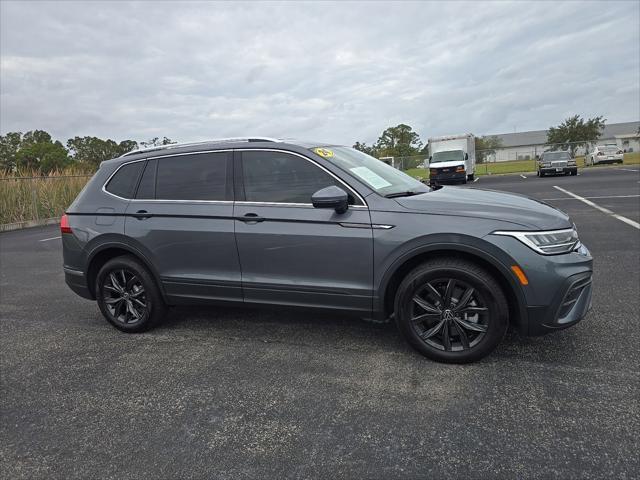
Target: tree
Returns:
[[398, 141], [93, 150], [38, 152], [363, 147], [9, 146], [156, 142], [486, 146], [575, 132]]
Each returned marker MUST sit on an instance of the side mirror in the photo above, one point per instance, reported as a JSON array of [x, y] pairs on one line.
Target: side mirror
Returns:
[[430, 157], [331, 197], [466, 156], [537, 157]]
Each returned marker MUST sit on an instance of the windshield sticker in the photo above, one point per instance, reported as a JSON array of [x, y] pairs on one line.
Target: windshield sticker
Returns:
[[371, 177], [324, 152]]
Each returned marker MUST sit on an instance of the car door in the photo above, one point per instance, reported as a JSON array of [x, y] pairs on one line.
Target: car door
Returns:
[[182, 219], [290, 252]]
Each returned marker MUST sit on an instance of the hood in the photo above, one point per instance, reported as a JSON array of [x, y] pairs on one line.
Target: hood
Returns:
[[450, 163], [471, 202]]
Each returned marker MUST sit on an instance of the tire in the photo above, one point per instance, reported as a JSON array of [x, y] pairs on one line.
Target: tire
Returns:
[[464, 182], [470, 336], [471, 177], [140, 305], [574, 172]]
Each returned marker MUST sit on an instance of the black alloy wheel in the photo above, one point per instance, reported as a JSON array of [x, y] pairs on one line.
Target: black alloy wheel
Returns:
[[128, 295], [451, 310]]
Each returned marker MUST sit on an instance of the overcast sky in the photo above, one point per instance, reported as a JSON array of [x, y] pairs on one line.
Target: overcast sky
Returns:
[[336, 72]]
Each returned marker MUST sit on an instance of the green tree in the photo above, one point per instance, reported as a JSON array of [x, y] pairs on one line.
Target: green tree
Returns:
[[486, 146], [9, 146], [93, 150], [38, 154], [398, 141], [575, 132], [368, 149]]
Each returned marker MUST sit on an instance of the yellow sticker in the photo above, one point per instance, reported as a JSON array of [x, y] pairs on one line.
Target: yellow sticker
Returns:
[[324, 152]]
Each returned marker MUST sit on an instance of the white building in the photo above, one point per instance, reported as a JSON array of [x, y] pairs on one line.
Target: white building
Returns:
[[526, 145]]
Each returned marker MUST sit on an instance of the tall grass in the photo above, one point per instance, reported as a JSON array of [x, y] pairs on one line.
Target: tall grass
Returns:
[[27, 195]]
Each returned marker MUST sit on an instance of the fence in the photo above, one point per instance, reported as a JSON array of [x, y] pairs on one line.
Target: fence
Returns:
[[24, 199]]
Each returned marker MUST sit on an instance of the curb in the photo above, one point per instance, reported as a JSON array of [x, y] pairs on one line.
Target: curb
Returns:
[[7, 227]]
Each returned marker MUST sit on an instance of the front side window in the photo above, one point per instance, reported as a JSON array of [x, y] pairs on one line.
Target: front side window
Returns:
[[382, 178], [192, 177], [279, 177], [123, 183]]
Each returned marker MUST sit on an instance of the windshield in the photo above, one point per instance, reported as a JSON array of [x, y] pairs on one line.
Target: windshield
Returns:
[[382, 178], [449, 156], [556, 156]]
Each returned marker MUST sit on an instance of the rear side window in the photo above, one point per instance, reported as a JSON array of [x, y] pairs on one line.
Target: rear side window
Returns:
[[147, 187], [282, 178], [192, 177], [123, 183]]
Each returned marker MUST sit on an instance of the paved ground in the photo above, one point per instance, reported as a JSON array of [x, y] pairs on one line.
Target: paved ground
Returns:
[[251, 394]]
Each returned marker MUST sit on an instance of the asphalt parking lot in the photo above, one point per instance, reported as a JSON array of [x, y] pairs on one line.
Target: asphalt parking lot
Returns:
[[236, 393]]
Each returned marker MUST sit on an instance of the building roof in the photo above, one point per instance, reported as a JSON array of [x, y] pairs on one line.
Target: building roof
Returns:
[[539, 137]]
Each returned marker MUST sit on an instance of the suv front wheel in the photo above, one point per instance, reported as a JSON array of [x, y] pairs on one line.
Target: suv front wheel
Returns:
[[128, 296], [451, 310]]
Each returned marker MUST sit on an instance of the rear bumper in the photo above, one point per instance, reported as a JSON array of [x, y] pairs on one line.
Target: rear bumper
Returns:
[[606, 159], [77, 282]]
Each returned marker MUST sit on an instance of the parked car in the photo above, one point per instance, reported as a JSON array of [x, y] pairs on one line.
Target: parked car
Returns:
[[266, 222], [604, 154], [556, 163]]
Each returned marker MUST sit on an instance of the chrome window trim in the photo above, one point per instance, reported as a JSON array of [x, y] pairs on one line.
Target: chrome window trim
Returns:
[[243, 202]]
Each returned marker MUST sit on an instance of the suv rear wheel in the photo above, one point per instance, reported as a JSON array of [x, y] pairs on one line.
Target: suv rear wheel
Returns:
[[451, 310], [128, 296]]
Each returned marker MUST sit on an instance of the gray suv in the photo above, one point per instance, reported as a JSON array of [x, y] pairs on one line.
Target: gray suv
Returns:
[[262, 221]]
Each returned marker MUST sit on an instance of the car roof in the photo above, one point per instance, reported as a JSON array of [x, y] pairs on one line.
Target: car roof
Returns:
[[215, 144]]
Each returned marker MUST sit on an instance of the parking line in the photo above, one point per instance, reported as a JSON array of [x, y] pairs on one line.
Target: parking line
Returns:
[[603, 196], [628, 169], [52, 238], [626, 220], [522, 176], [476, 179]]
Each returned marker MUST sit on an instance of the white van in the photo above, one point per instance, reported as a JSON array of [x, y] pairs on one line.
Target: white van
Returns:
[[452, 158]]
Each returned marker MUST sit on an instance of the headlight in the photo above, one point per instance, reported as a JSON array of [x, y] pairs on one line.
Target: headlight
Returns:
[[551, 242]]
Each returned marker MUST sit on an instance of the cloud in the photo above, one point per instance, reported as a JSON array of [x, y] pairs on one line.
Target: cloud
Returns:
[[338, 72]]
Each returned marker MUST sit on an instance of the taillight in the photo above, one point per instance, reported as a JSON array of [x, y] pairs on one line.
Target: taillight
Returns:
[[64, 224], [600, 154]]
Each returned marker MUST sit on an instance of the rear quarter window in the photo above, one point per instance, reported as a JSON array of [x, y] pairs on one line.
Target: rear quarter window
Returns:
[[124, 181]]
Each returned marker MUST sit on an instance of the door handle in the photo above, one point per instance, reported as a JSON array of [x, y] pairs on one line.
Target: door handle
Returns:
[[251, 218], [141, 215]]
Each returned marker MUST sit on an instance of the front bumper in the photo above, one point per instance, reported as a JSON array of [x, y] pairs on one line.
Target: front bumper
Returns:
[[569, 306], [448, 177], [558, 170], [559, 291]]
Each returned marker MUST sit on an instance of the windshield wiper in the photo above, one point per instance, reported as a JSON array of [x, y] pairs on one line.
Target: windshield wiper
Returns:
[[408, 193]]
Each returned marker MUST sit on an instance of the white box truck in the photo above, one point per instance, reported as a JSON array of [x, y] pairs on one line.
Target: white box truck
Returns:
[[452, 158]]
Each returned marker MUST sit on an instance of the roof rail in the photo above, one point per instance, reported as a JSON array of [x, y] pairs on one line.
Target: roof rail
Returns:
[[203, 142]]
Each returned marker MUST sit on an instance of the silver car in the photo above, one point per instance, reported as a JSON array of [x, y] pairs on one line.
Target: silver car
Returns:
[[604, 154]]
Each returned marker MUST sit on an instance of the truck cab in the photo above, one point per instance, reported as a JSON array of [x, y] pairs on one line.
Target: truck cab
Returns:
[[452, 159]]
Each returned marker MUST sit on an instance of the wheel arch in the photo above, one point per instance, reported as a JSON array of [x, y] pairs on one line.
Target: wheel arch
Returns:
[[394, 275], [112, 249]]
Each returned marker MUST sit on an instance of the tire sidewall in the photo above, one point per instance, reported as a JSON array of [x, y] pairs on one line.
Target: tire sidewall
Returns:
[[494, 299]]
